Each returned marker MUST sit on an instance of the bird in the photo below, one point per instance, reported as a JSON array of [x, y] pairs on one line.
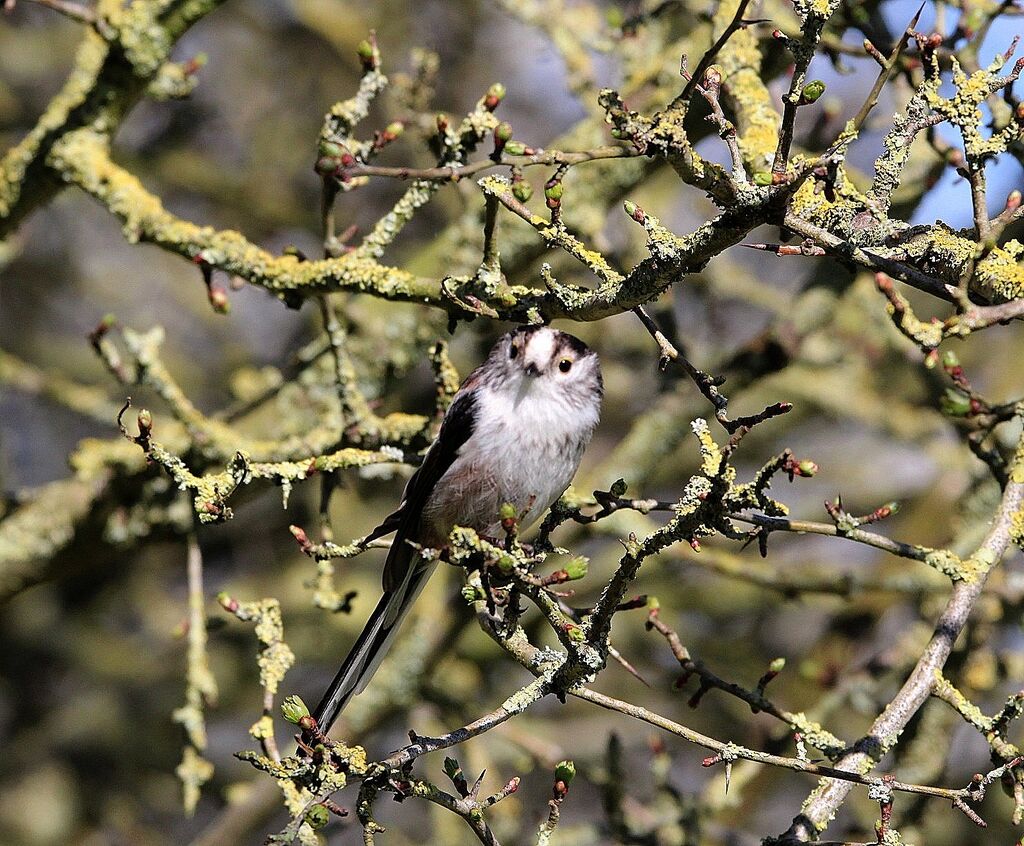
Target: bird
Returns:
[[515, 433]]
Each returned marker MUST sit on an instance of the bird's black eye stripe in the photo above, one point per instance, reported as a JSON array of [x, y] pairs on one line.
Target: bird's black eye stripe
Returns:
[[565, 365], [513, 350]]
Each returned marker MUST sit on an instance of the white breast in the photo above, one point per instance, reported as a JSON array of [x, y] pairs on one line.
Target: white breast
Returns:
[[525, 450]]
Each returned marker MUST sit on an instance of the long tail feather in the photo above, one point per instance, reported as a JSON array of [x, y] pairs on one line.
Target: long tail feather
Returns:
[[373, 643]]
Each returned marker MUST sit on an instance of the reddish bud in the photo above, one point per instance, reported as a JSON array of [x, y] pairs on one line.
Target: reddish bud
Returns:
[[219, 299], [635, 212], [495, 94], [228, 603], [327, 165]]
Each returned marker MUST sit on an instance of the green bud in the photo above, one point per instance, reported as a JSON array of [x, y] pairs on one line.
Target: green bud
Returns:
[[616, 133], [366, 54], [294, 709], [812, 91], [326, 165], [653, 604], [471, 593], [807, 468], [317, 817], [762, 177], [553, 191], [145, 420], [575, 633], [395, 128], [515, 148], [565, 771], [521, 190], [950, 360], [331, 149], [497, 91], [955, 403], [577, 568], [507, 512], [618, 487], [777, 665], [503, 132], [451, 767]]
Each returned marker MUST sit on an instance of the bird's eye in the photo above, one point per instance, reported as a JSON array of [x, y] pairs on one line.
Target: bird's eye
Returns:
[[565, 365], [513, 351]]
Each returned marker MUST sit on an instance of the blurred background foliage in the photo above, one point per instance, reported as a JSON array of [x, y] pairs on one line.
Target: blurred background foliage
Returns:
[[93, 658]]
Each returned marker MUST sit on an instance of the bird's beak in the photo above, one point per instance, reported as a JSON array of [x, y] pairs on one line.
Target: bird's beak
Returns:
[[532, 369]]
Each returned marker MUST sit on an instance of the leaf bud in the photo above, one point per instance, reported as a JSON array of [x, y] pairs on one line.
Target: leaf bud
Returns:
[[812, 91], [317, 817], [577, 568], [368, 55], [294, 709], [565, 771], [495, 94], [521, 190]]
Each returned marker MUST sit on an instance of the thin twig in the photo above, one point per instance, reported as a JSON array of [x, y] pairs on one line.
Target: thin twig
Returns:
[[458, 172], [708, 59]]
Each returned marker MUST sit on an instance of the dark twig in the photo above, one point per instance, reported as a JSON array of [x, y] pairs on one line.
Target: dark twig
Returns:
[[883, 77], [708, 59]]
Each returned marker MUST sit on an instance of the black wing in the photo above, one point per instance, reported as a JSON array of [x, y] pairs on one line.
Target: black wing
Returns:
[[456, 428]]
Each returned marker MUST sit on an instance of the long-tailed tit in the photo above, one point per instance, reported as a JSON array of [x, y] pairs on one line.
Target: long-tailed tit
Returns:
[[514, 433]]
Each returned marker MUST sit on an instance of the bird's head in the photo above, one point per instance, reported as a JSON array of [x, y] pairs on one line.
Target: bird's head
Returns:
[[542, 360]]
